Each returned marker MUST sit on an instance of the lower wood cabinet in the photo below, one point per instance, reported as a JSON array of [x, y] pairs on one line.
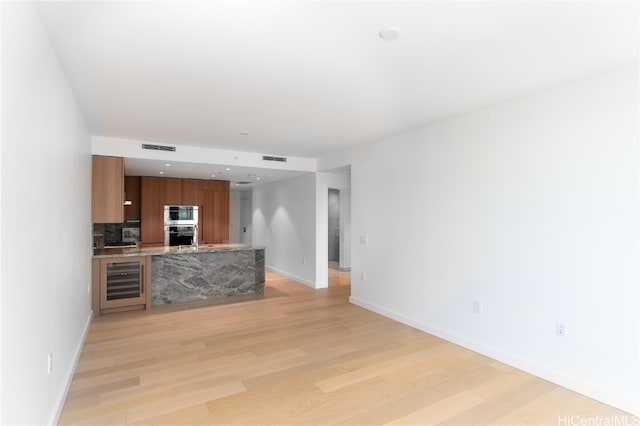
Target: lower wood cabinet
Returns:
[[121, 283]]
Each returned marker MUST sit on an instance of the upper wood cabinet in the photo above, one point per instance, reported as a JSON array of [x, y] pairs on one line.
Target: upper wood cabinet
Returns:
[[107, 188], [172, 191], [190, 192], [132, 193]]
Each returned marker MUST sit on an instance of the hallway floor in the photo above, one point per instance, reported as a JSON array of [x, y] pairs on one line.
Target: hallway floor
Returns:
[[338, 278]]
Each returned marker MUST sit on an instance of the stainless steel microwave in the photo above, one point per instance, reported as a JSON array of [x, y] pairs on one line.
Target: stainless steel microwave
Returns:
[[180, 215]]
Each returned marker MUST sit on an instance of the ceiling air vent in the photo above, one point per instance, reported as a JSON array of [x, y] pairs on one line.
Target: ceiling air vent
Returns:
[[158, 147], [243, 183], [272, 158]]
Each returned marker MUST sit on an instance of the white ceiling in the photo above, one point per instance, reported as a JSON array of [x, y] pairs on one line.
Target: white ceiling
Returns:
[[311, 77]]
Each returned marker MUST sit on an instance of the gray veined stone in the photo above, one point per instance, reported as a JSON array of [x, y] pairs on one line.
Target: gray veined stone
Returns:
[[188, 277]]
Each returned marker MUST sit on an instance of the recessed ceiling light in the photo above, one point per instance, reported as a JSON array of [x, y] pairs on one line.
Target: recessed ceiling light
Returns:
[[389, 33], [167, 164], [213, 175], [161, 173], [245, 133], [258, 178], [228, 169]]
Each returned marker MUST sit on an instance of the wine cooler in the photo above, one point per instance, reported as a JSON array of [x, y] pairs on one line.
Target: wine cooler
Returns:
[[123, 282]]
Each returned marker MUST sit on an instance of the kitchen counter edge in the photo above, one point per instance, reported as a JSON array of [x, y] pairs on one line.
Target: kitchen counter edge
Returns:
[[162, 250]]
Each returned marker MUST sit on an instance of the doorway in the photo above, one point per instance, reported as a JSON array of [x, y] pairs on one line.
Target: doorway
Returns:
[[334, 228], [338, 237]]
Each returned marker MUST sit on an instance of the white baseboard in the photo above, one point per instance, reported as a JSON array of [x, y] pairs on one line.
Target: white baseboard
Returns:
[[69, 375], [291, 276], [623, 402]]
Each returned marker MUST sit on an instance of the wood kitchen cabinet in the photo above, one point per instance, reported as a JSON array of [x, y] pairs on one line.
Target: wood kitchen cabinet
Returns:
[[107, 189], [221, 216], [190, 192], [172, 191], [213, 197], [121, 283], [132, 193], [207, 205], [152, 210]]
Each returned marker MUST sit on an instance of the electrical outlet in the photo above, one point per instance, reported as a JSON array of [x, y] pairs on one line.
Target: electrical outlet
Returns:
[[363, 240], [477, 307], [363, 276], [50, 363], [561, 329], [304, 261]]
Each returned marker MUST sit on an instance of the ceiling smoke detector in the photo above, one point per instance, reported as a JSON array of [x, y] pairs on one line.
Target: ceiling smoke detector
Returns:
[[389, 34]]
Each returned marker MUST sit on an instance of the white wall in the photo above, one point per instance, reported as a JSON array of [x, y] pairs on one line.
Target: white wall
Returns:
[[46, 184], [284, 220], [246, 221], [345, 229], [531, 208], [321, 229], [234, 217]]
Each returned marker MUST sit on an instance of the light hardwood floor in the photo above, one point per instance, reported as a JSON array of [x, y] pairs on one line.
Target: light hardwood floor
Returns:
[[339, 278], [303, 357]]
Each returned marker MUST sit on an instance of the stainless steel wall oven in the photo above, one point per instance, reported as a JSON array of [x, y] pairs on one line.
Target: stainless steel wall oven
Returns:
[[180, 225], [180, 235]]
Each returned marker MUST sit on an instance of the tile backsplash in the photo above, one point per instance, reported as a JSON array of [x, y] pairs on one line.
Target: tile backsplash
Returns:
[[105, 234]]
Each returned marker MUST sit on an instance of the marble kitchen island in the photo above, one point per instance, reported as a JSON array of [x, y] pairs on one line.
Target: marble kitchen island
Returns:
[[190, 276], [187, 274]]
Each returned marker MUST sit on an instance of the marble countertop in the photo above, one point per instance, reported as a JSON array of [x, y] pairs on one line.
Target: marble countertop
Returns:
[[160, 250]]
